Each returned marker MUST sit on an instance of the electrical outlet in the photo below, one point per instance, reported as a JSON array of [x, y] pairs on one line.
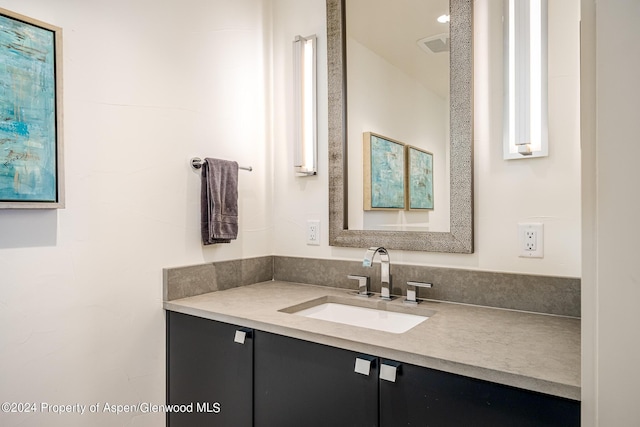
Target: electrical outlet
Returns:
[[313, 232], [531, 239]]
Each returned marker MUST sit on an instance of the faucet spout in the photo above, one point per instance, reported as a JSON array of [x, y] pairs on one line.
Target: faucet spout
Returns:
[[385, 267]]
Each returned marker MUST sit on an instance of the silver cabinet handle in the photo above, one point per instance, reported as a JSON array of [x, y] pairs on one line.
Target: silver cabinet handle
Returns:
[[364, 365], [412, 291], [241, 335], [389, 371]]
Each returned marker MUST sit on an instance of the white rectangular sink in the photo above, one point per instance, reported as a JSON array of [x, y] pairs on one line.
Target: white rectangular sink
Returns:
[[364, 317]]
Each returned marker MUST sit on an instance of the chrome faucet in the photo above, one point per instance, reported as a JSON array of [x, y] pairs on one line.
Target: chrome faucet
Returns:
[[385, 263]]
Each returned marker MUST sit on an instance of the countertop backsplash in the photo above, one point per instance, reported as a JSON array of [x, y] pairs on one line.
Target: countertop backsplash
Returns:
[[525, 292]]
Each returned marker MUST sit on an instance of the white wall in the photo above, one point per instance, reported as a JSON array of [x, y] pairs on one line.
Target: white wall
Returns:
[[383, 99], [611, 284], [506, 192], [296, 199], [147, 85], [543, 190]]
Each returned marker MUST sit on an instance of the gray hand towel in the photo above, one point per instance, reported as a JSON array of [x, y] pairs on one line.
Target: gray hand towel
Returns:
[[219, 201]]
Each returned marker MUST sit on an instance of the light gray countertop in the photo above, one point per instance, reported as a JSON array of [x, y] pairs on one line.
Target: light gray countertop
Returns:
[[527, 350]]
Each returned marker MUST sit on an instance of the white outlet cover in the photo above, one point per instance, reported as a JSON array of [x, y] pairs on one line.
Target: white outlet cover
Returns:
[[313, 232], [525, 242]]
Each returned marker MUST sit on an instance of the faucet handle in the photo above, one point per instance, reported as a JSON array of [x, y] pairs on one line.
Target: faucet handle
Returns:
[[363, 284], [412, 291]]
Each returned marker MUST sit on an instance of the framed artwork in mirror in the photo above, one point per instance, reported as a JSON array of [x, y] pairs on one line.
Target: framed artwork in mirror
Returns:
[[419, 178], [31, 167], [384, 173]]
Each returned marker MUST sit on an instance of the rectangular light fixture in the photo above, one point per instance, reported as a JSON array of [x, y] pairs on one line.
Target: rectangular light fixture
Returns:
[[304, 92], [526, 131]]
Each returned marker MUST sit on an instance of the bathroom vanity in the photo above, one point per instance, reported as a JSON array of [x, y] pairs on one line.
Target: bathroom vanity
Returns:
[[244, 356]]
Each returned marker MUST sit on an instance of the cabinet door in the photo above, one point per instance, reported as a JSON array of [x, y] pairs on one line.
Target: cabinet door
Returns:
[[426, 397], [298, 383], [208, 372]]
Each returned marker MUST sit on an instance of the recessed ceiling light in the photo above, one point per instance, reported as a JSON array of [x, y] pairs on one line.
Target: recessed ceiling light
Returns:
[[443, 19]]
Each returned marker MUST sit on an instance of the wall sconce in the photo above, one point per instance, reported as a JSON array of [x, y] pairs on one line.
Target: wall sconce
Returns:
[[304, 92], [526, 131]]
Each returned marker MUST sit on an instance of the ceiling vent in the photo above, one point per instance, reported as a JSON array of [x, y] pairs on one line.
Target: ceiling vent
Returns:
[[439, 43]]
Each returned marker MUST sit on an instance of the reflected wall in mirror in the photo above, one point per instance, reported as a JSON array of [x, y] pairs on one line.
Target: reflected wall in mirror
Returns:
[[370, 109], [398, 85]]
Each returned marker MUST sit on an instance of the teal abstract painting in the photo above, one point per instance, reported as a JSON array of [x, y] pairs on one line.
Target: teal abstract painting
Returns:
[[28, 116], [420, 164], [384, 168]]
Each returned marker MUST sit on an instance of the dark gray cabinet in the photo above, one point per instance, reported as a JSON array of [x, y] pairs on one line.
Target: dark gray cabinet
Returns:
[[427, 397], [299, 383], [209, 373], [273, 380]]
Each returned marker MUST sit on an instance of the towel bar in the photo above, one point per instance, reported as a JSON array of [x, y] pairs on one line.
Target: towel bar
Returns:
[[196, 163]]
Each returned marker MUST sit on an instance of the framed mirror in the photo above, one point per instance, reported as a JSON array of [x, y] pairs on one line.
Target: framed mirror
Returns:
[[343, 231]]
